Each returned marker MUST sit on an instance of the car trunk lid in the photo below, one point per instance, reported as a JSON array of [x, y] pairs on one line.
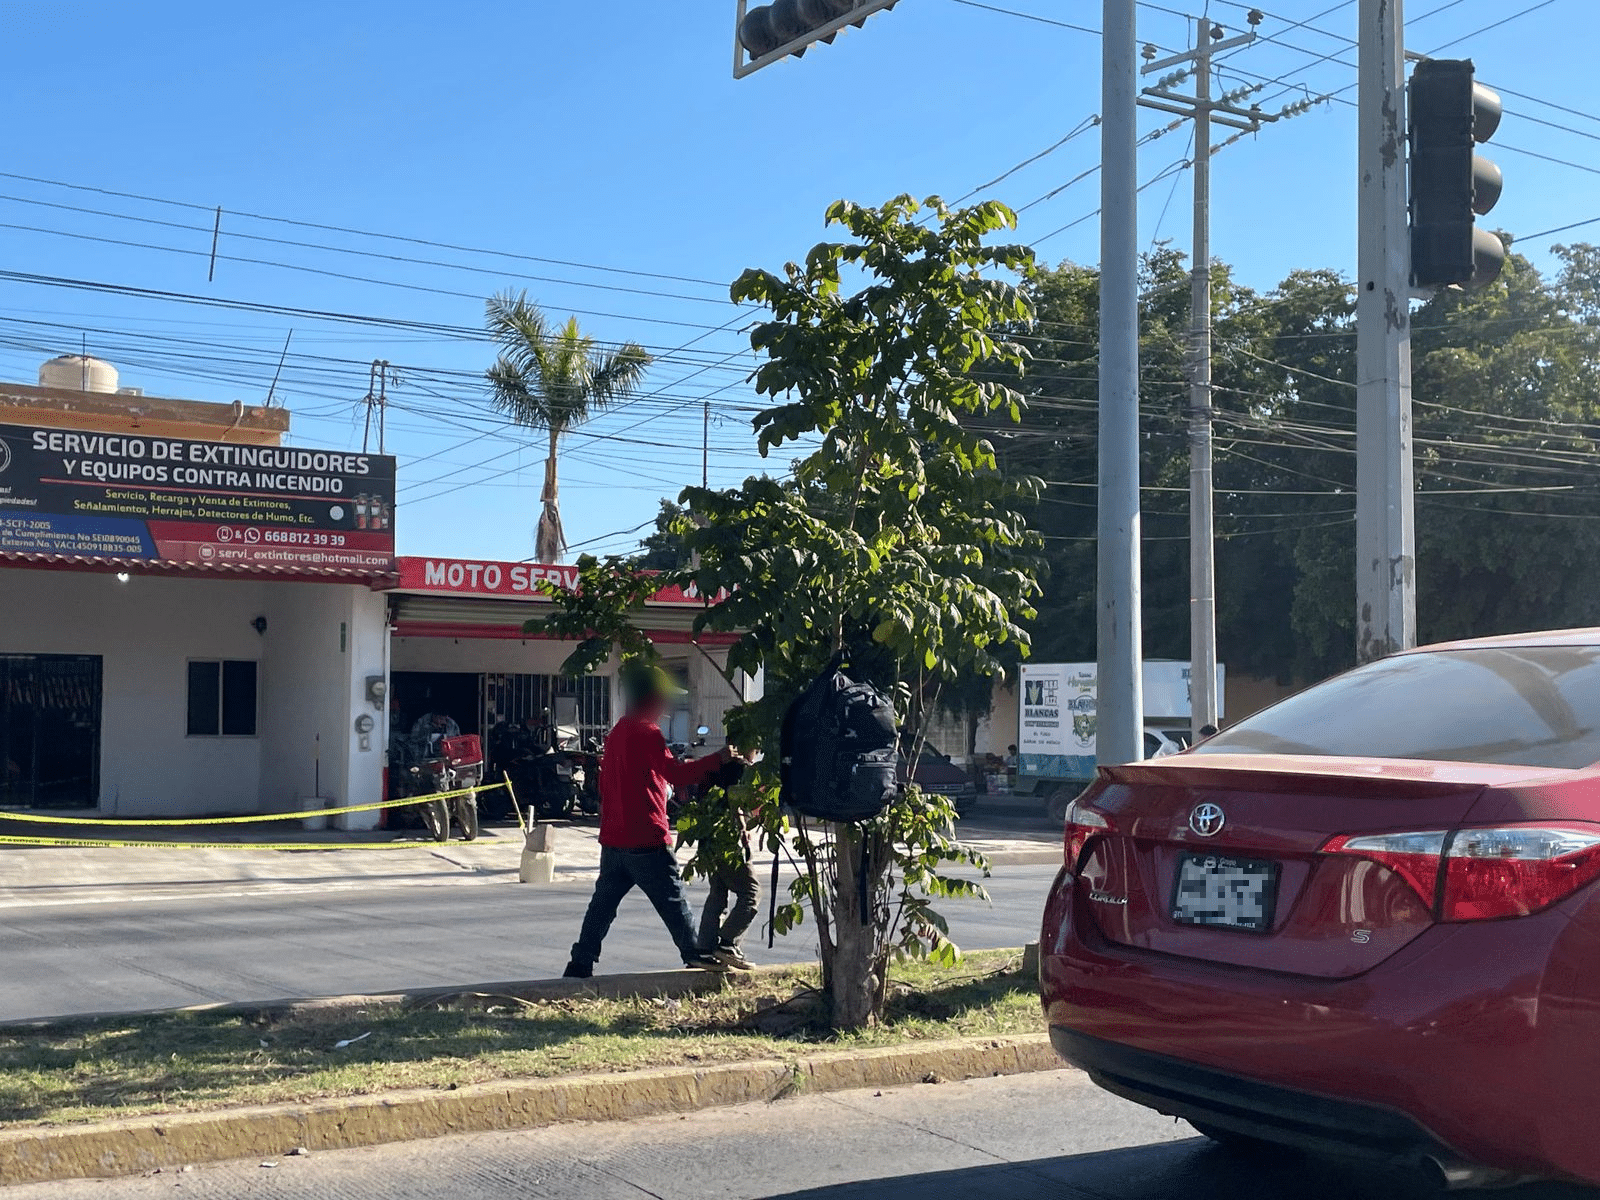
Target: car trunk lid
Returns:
[[1241, 834]]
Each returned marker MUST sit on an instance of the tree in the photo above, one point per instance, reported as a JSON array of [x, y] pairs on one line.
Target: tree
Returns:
[[1506, 420], [664, 549], [898, 540], [554, 380]]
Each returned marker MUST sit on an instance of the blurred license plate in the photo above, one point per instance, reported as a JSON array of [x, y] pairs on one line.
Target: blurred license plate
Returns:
[[1220, 890]]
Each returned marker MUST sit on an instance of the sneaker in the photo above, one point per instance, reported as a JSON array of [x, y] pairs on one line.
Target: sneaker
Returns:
[[577, 971], [733, 958], [705, 962]]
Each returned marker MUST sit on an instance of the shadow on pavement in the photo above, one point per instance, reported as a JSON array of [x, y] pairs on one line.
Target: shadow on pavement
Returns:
[[1186, 1170]]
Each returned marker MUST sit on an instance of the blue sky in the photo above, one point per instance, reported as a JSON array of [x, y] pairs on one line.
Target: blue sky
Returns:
[[610, 135]]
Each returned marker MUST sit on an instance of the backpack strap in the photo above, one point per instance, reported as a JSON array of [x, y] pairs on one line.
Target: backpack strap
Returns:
[[772, 914]]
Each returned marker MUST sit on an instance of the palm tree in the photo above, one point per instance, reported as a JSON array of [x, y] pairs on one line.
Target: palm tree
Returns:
[[554, 380]]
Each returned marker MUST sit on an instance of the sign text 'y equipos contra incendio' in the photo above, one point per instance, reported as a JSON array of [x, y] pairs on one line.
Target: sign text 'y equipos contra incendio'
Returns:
[[215, 504]]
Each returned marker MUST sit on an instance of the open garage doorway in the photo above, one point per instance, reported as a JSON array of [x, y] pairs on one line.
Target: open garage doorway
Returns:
[[457, 694]]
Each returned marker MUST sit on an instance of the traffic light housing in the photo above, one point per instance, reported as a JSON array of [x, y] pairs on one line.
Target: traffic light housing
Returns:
[[1450, 184], [769, 32]]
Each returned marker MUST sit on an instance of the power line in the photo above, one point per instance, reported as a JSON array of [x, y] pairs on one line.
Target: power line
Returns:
[[349, 250], [1028, 16], [331, 274], [393, 237]]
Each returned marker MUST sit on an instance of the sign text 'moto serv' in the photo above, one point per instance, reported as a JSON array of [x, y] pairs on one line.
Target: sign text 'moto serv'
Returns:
[[466, 577]]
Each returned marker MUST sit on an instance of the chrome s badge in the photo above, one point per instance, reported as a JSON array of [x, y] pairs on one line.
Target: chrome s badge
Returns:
[[1207, 820]]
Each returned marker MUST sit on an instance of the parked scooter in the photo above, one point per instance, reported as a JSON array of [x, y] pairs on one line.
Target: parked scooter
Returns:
[[544, 769], [586, 776], [444, 764], [677, 799]]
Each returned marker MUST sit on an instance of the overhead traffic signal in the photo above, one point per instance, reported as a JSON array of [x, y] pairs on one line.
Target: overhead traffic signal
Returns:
[[769, 32], [1450, 184]]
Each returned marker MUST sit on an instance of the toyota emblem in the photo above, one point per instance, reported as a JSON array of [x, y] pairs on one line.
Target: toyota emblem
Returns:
[[1207, 820]]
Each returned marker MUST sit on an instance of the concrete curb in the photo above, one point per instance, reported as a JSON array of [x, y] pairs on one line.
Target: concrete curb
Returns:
[[133, 1146], [1044, 857]]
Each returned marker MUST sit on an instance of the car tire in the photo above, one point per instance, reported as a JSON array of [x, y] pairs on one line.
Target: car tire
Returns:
[[1057, 801]]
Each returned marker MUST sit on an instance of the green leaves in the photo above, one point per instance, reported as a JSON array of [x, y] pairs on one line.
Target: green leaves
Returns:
[[891, 358]]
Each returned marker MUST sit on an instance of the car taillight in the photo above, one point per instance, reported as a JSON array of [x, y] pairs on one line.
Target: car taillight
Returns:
[[1081, 823], [1516, 870], [1414, 857], [1484, 874]]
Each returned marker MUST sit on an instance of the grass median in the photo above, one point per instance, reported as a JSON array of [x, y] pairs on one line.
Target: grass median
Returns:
[[188, 1062]]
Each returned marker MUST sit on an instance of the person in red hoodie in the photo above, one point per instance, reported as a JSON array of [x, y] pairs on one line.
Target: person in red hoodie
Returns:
[[636, 772]]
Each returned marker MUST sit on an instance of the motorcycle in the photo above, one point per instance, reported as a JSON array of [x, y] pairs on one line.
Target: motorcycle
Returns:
[[586, 775], [677, 798], [445, 764], [545, 770]]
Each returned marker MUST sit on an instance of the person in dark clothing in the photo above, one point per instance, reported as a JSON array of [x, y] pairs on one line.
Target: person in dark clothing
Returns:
[[636, 772], [731, 875]]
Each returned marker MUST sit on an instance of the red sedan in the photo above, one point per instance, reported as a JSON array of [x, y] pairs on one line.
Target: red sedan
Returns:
[[1360, 922]]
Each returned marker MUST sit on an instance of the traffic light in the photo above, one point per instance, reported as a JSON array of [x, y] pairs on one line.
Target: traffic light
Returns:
[[773, 31], [1450, 114]]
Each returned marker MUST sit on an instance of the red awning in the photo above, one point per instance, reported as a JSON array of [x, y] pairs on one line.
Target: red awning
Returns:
[[372, 576], [469, 629]]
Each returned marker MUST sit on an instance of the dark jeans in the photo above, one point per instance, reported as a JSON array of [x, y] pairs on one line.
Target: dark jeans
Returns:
[[745, 888], [655, 873]]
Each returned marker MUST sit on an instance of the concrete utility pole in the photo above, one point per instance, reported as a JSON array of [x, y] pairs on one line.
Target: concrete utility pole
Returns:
[[1120, 722], [377, 399], [1203, 110], [1386, 603]]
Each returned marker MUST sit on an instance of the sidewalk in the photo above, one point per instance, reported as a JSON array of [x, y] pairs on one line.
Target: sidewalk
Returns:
[[36, 875]]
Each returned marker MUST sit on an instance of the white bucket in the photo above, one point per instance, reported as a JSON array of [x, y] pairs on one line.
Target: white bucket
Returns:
[[314, 804]]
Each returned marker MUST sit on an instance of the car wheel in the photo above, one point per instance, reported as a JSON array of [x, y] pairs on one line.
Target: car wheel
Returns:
[[1058, 801]]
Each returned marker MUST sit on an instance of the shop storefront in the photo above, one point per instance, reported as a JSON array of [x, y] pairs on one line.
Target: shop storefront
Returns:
[[458, 644], [196, 620], [188, 625]]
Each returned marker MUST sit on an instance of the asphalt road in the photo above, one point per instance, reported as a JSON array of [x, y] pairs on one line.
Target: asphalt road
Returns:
[[1052, 1136], [73, 959]]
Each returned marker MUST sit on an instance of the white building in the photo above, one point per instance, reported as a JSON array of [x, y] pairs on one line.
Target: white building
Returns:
[[187, 617], [195, 620]]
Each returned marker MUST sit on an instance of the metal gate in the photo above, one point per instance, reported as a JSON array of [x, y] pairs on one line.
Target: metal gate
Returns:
[[512, 699], [49, 730]]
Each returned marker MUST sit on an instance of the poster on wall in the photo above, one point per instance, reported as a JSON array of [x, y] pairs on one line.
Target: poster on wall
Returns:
[[222, 505], [1056, 732], [1058, 725]]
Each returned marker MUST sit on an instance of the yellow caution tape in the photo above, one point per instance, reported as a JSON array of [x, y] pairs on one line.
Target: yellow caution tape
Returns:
[[112, 843], [32, 818]]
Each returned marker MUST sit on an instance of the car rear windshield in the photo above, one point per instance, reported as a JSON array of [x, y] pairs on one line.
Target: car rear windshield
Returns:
[[1535, 706]]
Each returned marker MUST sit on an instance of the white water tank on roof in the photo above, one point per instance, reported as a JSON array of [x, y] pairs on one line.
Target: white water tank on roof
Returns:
[[78, 373]]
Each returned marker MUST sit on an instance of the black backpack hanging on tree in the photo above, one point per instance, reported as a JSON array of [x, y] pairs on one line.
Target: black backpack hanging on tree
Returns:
[[837, 758], [837, 749]]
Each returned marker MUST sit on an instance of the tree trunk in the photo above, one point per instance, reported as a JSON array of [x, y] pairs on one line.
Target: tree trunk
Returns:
[[853, 983], [550, 541]]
